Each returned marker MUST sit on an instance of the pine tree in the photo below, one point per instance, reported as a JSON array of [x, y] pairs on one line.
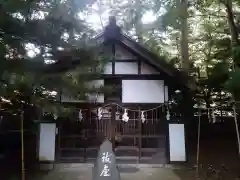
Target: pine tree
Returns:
[[39, 41]]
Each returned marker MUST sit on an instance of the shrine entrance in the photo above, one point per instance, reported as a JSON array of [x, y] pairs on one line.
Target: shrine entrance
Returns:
[[141, 138]]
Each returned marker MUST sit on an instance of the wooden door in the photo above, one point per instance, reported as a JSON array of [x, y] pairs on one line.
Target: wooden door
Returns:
[[138, 141], [79, 140], [127, 136]]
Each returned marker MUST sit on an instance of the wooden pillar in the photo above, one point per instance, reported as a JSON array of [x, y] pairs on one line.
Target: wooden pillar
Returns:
[[139, 134], [58, 141], [113, 126]]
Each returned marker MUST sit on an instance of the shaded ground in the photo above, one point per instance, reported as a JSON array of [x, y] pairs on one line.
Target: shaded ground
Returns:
[[127, 172], [147, 172], [208, 171], [218, 160]]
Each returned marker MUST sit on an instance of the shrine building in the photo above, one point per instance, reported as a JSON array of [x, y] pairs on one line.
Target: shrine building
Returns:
[[140, 118]]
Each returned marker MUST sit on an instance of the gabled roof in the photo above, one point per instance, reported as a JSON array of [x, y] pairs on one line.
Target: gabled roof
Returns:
[[113, 34]]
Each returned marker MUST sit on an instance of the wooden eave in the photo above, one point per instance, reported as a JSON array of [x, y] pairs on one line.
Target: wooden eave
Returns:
[[158, 62]]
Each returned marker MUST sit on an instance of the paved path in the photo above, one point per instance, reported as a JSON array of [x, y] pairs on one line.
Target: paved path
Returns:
[[127, 172]]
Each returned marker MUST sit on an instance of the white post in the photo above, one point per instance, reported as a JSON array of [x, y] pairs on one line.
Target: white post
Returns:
[[177, 145], [47, 138], [236, 125]]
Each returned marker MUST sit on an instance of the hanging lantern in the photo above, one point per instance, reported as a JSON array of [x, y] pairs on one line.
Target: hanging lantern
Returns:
[[80, 115], [209, 116], [143, 117], [55, 116], [214, 120], [100, 111], [125, 117], [117, 117], [168, 115]]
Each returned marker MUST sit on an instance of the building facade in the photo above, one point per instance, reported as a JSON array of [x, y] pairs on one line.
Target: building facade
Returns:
[[136, 116]]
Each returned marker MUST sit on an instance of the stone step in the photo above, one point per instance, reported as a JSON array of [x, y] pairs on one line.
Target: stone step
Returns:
[[118, 148]]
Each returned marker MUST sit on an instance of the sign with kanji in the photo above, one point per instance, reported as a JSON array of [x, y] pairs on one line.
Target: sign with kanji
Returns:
[[105, 166], [105, 171]]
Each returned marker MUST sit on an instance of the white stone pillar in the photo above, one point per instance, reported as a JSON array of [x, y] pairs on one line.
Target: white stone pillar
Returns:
[[46, 145], [177, 144]]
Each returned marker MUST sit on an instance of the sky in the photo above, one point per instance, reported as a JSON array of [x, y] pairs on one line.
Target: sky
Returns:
[[95, 22], [93, 18]]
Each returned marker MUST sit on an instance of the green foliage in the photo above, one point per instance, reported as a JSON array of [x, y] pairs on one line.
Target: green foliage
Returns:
[[233, 84], [236, 53], [44, 26], [171, 18], [218, 76], [209, 37], [223, 49]]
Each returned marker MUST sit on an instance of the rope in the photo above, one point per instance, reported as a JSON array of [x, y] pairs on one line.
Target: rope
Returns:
[[133, 110], [146, 110], [198, 144], [22, 147], [199, 135], [151, 109]]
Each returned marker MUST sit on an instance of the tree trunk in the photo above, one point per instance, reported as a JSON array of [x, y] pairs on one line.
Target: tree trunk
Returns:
[[138, 22], [234, 39], [185, 63], [232, 25], [184, 36], [235, 43]]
